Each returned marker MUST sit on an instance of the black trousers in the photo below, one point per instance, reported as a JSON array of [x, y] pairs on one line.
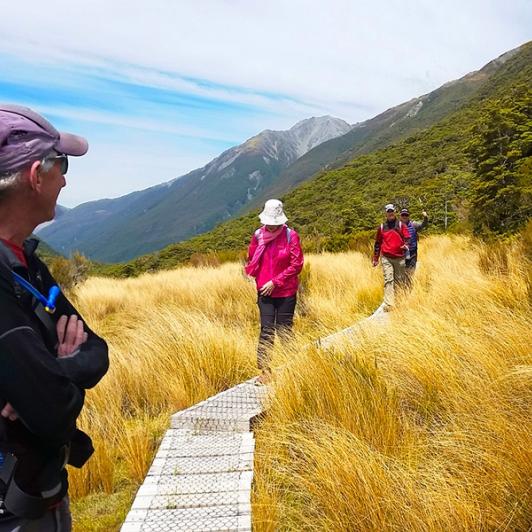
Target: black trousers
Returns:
[[276, 315], [56, 520], [411, 262]]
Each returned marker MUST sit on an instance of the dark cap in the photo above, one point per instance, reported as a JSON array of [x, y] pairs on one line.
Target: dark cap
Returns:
[[405, 211], [26, 136]]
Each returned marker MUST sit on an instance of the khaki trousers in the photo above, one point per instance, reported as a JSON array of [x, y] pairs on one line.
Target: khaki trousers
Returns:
[[394, 277]]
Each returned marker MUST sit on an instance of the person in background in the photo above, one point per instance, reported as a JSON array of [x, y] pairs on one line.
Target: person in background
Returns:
[[47, 359], [391, 243], [413, 229], [275, 259]]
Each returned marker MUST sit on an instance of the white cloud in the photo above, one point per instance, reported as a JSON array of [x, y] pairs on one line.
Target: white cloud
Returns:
[[338, 51], [276, 62]]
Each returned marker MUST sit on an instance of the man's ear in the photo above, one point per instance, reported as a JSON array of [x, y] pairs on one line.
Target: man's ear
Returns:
[[35, 177]]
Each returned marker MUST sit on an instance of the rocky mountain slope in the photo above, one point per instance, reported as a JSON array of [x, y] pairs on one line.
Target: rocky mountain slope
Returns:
[[122, 228]]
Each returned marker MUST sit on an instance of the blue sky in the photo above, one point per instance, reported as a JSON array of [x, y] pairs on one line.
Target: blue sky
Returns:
[[161, 88]]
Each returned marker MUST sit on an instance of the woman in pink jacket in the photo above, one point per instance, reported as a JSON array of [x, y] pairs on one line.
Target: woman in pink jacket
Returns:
[[275, 259]]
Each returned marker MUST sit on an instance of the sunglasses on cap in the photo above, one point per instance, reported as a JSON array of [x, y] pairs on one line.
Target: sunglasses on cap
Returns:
[[63, 161], [390, 210]]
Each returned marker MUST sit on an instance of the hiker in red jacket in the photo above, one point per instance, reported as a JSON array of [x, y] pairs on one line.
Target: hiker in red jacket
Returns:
[[391, 242], [275, 259]]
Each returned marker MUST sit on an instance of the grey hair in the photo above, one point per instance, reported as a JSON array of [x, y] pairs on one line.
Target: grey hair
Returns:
[[10, 180], [47, 161]]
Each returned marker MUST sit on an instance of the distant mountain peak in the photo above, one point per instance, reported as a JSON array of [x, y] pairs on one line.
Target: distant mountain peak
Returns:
[[192, 203], [267, 165], [315, 121], [311, 132], [288, 145]]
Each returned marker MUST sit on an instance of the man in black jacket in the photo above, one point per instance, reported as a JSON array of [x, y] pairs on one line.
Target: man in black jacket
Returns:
[[47, 358]]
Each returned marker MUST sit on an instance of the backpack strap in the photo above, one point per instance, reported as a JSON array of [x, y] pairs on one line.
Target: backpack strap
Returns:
[[288, 233], [8, 258], [397, 228]]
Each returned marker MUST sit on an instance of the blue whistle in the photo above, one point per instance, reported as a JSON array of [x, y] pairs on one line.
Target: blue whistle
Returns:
[[47, 302]]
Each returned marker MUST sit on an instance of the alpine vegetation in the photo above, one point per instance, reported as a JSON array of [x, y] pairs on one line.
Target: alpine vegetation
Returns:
[[421, 425]]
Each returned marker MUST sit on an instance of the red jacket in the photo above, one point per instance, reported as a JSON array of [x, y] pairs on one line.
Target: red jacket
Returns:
[[281, 262], [390, 239]]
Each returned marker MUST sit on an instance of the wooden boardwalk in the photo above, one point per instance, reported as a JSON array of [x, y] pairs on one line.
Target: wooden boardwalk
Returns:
[[200, 478]]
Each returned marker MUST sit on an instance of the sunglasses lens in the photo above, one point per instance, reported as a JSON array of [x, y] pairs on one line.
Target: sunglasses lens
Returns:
[[64, 164]]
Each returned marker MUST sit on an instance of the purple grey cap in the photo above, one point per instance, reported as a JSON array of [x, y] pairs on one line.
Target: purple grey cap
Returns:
[[26, 136]]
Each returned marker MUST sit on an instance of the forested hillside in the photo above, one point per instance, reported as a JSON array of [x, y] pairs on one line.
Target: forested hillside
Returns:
[[45, 252]]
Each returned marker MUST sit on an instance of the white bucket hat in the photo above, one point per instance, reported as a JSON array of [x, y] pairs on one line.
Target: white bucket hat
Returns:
[[273, 213]]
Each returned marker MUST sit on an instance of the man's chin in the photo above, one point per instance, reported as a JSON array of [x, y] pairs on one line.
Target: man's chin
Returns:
[[50, 217], [45, 220], [52, 212]]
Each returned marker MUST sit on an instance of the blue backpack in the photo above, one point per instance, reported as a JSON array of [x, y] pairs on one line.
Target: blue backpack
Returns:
[[413, 236]]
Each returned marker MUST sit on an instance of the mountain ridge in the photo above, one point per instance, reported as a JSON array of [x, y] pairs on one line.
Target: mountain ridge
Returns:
[[389, 126], [193, 203], [431, 169]]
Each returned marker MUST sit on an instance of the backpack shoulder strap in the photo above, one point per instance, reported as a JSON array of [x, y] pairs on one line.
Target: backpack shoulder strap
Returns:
[[8, 258], [288, 233], [399, 230]]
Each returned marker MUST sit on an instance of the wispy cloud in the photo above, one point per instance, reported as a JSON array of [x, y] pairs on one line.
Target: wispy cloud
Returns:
[[171, 84]]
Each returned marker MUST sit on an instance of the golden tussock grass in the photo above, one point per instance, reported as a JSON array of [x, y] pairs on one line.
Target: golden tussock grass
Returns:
[[421, 425]]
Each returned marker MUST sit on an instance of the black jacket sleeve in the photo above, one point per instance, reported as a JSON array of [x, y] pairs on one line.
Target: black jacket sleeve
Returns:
[[90, 363], [31, 379]]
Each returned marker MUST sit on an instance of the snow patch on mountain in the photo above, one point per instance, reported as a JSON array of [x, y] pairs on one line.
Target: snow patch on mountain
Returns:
[[415, 110], [230, 173], [257, 177], [225, 163]]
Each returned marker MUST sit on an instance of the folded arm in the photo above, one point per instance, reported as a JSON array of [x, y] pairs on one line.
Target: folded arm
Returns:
[[32, 380], [90, 362]]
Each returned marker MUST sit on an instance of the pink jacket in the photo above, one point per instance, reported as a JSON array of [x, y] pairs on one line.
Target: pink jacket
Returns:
[[281, 262]]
